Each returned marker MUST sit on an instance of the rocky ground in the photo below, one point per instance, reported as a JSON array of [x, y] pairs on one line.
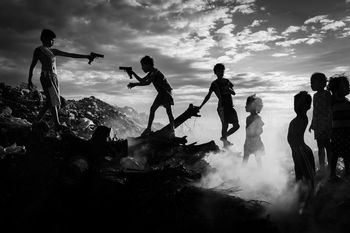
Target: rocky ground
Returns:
[[88, 177]]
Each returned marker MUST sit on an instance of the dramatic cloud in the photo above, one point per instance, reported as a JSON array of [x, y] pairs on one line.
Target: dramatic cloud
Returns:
[[290, 30], [268, 40]]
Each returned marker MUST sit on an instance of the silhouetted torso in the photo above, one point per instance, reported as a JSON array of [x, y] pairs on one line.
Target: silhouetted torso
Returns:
[[253, 143], [304, 163], [160, 83], [254, 125], [322, 115], [221, 88], [296, 130], [47, 59]]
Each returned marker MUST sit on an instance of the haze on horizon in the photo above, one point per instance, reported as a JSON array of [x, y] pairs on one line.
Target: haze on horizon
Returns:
[[269, 47]]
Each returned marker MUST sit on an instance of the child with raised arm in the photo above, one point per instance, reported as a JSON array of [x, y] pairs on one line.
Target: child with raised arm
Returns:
[[322, 117], [161, 84], [223, 89], [304, 163], [48, 78], [340, 141], [254, 128]]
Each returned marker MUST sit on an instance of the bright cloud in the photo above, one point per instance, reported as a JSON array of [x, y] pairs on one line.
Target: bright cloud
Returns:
[[316, 19], [291, 29], [280, 54], [257, 23], [333, 25]]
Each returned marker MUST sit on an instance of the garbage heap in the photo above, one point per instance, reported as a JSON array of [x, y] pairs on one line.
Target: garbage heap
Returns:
[[70, 183], [81, 116]]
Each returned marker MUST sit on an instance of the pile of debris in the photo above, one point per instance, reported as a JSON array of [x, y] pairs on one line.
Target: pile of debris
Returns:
[[81, 116], [98, 183]]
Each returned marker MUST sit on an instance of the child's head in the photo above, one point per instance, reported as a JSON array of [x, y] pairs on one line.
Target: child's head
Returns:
[[318, 81], [302, 102], [254, 104], [147, 63], [47, 37], [339, 85], [219, 70]]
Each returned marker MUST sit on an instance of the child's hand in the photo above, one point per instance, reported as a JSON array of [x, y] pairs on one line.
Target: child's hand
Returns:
[[131, 85]]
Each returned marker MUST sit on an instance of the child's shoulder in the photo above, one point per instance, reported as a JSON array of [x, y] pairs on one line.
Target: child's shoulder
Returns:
[[38, 48], [215, 82], [254, 118], [227, 82], [323, 93]]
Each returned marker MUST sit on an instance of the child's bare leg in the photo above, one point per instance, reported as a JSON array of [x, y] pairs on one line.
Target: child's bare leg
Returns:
[[224, 130], [235, 127], [329, 151], [42, 112], [151, 116], [55, 118], [171, 117], [258, 161], [321, 153]]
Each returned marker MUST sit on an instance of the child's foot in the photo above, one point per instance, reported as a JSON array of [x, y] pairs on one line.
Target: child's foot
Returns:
[[146, 132], [226, 142]]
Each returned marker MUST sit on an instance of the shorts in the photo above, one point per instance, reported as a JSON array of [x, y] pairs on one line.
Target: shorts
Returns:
[[49, 83], [163, 99], [228, 115]]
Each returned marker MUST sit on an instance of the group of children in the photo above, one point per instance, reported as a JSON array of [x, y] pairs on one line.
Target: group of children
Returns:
[[331, 114], [330, 123]]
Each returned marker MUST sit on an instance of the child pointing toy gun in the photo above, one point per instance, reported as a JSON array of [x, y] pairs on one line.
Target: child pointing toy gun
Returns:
[[46, 55], [127, 69], [164, 97]]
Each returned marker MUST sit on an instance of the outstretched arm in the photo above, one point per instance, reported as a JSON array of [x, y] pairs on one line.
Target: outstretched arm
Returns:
[[207, 97], [146, 80], [142, 81], [31, 68], [73, 55]]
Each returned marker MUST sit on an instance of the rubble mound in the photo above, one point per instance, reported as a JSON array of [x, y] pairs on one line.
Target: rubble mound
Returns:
[[82, 116], [88, 112], [74, 183]]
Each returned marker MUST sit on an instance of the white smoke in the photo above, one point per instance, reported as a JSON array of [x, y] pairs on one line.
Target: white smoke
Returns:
[[273, 184]]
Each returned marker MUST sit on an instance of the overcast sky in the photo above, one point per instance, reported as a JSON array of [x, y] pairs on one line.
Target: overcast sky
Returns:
[[269, 47]]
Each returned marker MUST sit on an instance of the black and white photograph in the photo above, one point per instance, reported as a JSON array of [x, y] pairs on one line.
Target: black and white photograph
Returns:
[[176, 116]]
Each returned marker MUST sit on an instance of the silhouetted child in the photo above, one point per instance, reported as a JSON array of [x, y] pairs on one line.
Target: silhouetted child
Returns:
[[223, 89], [48, 78], [164, 97], [340, 141], [304, 163], [254, 128], [322, 117]]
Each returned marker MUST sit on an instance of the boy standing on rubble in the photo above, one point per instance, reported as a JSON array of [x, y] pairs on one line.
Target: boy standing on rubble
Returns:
[[164, 97], [48, 78], [223, 89]]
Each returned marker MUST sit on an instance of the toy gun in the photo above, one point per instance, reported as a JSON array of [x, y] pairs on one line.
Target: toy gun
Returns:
[[127, 69], [93, 56]]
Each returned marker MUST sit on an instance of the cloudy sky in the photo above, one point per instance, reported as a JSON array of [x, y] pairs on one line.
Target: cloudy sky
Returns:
[[269, 47]]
